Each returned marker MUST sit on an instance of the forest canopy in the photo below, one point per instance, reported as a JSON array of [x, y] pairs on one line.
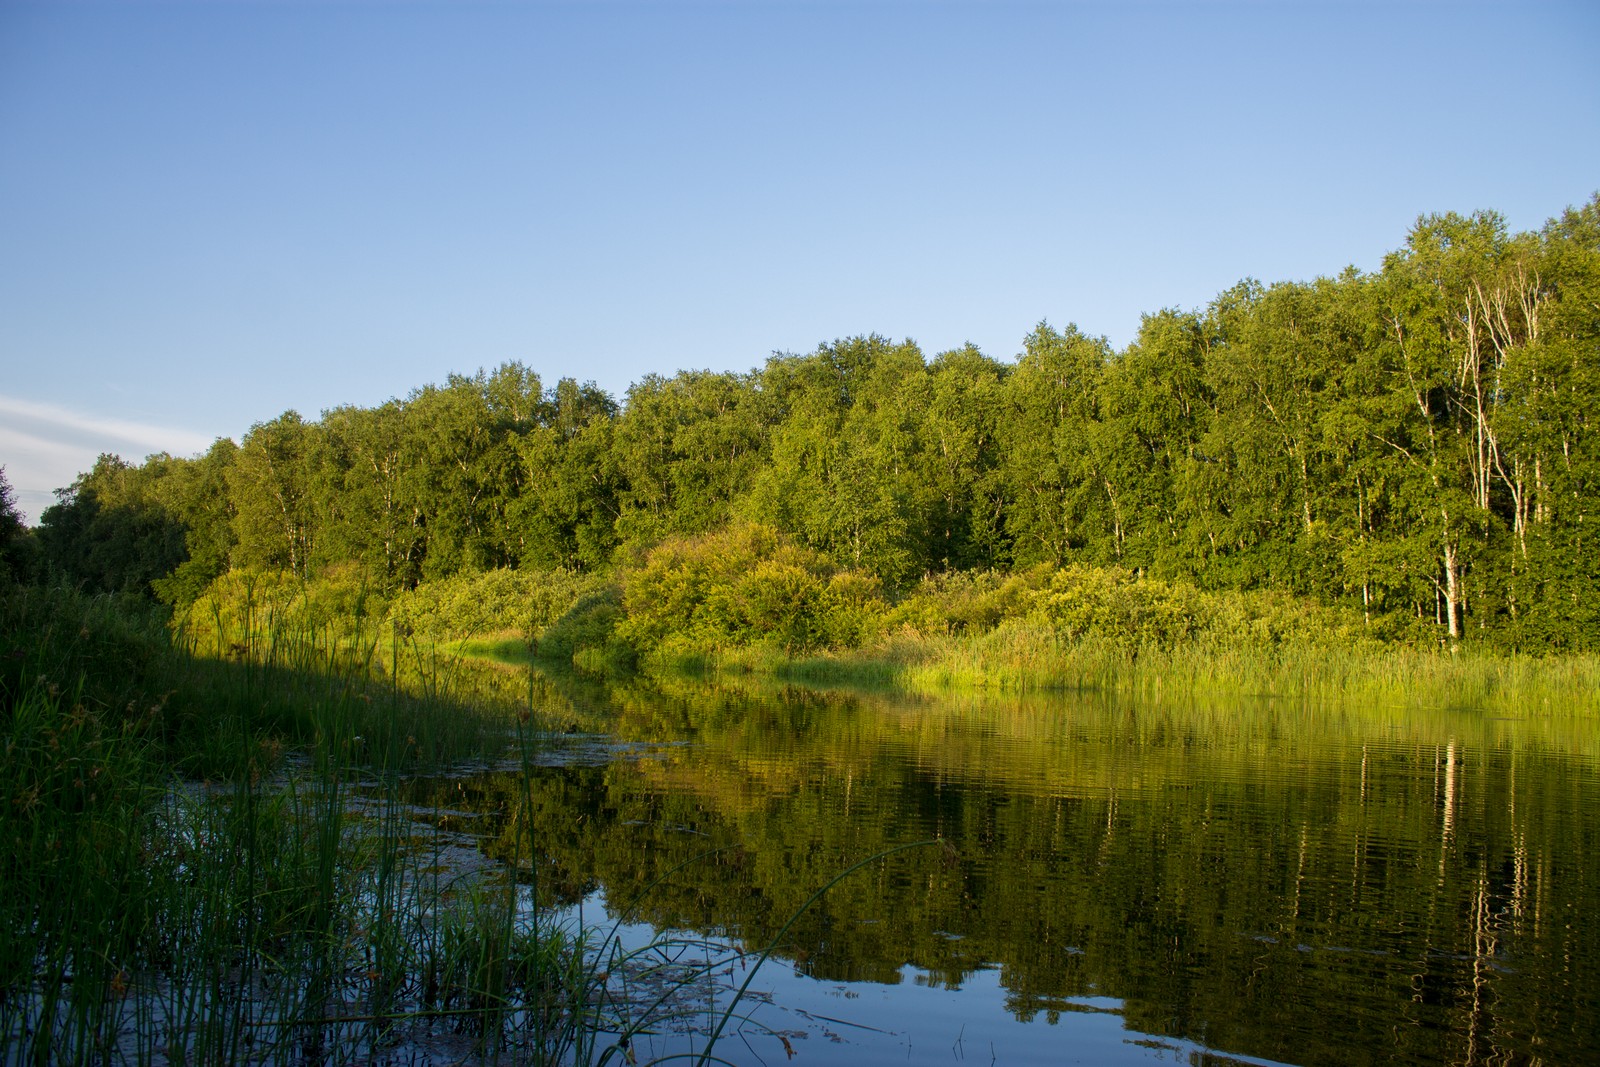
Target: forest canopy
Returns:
[[1414, 443]]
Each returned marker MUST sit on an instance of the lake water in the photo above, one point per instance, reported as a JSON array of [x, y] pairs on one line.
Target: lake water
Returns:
[[1118, 881]]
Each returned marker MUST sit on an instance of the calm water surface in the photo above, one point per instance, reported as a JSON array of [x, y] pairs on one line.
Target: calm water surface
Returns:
[[1125, 882]]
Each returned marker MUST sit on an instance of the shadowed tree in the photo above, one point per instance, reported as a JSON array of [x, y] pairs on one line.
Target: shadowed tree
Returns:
[[16, 542], [110, 531]]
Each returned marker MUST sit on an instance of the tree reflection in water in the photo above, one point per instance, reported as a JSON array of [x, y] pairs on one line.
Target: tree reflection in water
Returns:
[[1260, 882]]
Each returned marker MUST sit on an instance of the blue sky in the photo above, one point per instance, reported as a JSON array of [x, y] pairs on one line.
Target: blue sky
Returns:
[[212, 213]]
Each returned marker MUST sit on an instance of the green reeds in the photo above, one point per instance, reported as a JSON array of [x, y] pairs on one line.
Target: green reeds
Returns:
[[288, 907], [153, 918], [1023, 656], [275, 921]]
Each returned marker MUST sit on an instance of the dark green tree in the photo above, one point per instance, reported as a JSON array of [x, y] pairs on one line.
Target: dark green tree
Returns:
[[566, 515], [961, 407], [110, 531], [195, 494], [16, 541], [685, 450], [1155, 408], [845, 474]]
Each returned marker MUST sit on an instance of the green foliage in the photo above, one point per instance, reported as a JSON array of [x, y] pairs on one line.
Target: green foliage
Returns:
[[686, 451], [163, 527], [498, 601], [271, 483], [1049, 448], [17, 545], [967, 602], [565, 517], [114, 530], [345, 607], [848, 473], [1096, 603], [747, 585], [200, 503], [107, 652], [1116, 607], [1417, 443], [586, 635], [238, 607]]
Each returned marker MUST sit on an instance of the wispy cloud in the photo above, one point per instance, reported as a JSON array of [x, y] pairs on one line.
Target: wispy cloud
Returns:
[[152, 438], [44, 447]]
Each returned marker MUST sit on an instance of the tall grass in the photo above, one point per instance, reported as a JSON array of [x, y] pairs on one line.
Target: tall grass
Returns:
[[209, 859], [1025, 655], [744, 600], [294, 911]]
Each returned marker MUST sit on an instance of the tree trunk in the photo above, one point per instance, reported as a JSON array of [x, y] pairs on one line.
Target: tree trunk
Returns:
[[1452, 591]]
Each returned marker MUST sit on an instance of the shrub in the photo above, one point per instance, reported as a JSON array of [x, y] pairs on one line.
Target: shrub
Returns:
[[237, 607], [586, 633], [1112, 604], [493, 601], [968, 602], [746, 585]]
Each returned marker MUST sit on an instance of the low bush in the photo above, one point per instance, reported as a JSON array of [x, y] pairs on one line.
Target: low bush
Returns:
[[744, 586], [586, 634], [485, 602], [1114, 605], [962, 602]]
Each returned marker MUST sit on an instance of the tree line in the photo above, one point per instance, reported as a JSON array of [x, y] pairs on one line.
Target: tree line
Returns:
[[1416, 441]]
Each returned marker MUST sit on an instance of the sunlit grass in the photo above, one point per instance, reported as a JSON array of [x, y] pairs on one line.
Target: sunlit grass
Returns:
[[1020, 656], [508, 649]]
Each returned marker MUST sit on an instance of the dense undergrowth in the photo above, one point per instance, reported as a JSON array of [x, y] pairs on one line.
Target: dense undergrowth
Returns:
[[747, 599]]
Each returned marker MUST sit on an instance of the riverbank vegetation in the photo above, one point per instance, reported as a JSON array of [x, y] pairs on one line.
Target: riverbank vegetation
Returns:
[[218, 854], [209, 859], [748, 600], [1413, 447]]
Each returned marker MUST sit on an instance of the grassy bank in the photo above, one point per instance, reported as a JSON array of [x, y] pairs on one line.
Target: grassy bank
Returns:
[[207, 859], [744, 601], [1021, 657]]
